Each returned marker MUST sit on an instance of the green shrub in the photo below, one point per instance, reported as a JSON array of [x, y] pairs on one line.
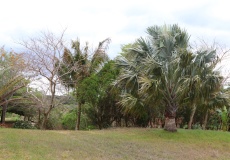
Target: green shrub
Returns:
[[185, 126], [54, 121], [12, 117], [90, 127], [223, 113], [24, 125], [196, 126], [69, 120], [214, 122]]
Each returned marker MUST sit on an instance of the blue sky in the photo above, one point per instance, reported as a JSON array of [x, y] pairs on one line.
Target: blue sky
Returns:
[[121, 20]]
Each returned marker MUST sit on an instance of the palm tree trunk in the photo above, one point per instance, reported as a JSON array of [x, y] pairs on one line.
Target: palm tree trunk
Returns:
[[191, 117], [205, 120], [170, 124], [78, 117], [126, 121], [170, 118]]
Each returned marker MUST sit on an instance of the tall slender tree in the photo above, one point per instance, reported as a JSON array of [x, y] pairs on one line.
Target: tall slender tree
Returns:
[[204, 84], [83, 64]]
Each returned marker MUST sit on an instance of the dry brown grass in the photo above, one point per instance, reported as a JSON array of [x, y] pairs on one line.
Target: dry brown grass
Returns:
[[119, 144]]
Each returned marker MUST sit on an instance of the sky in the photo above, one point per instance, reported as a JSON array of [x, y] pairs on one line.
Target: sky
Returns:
[[121, 20]]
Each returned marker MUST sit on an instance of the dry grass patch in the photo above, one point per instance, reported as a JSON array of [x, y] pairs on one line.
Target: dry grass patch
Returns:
[[119, 144]]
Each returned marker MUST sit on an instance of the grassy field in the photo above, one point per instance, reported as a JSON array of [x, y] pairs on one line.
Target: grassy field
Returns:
[[122, 143]]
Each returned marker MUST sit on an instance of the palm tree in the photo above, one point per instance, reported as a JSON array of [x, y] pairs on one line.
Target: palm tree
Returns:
[[152, 69], [163, 70], [204, 84], [83, 65], [215, 103]]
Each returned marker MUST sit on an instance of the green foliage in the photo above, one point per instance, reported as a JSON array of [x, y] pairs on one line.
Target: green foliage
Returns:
[[95, 87], [11, 79], [96, 92], [24, 125], [214, 122], [151, 75], [22, 104], [82, 66], [185, 126], [12, 116], [163, 70], [88, 91], [54, 121], [224, 115], [196, 126], [69, 120]]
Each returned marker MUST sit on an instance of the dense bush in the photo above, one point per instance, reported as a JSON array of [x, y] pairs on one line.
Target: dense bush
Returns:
[[24, 125], [54, 121], [196, 126], [69, 121]]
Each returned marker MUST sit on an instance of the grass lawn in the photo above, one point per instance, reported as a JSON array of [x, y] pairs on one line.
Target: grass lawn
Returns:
[[120, 143]]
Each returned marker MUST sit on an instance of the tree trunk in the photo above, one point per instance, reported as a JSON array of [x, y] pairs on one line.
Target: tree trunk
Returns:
[[205, 120], [191, 117], [3, 116], [39, 117], [78, 117], [170, 124], [126, 121], [170, 114], [100, 125], [150, 124], [44, 122]]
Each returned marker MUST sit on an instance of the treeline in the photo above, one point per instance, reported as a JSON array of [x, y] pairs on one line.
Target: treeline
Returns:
[[159, 81]]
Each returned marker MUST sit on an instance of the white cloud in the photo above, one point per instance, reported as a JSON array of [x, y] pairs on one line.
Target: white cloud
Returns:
[[122, 21]]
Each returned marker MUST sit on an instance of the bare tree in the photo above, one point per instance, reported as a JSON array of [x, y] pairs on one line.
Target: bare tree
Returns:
[[42, 54]]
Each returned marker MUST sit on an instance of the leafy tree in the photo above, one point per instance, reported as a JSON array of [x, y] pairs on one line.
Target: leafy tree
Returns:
[[96, 91], [69, 120], [83, 65], [22, 105], [11, 65]]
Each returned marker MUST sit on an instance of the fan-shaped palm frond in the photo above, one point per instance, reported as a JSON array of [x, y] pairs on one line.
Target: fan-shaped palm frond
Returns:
[[99, 56], [164, 69], [132, 104]]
